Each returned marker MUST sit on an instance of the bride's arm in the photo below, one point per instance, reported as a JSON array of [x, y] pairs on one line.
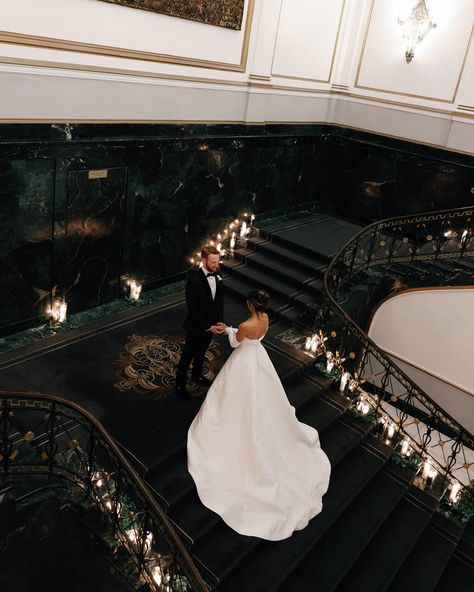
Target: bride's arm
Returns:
[[236, 335]]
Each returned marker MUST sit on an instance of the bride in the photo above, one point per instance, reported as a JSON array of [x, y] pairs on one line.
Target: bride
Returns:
[[252, 461]]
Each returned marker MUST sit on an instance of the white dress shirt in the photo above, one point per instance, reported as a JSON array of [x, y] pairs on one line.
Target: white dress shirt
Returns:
[[211, 280]]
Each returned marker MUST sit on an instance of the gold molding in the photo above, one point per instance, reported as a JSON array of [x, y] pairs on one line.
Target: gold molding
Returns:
[[336, 41], [401, 104], [121, 52], [391, 92], [120, 71]]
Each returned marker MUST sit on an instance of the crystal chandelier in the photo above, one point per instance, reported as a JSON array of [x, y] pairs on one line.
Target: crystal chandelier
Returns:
[[415, 27]]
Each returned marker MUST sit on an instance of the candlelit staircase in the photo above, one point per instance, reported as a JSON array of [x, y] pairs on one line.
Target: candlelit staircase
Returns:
[[289, 262], [377, 532]]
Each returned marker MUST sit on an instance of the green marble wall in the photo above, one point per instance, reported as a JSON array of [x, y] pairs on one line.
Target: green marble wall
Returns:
[[169, 187]]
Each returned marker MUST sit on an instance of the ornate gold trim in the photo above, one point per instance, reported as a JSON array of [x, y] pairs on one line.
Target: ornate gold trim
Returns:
[[402, 104], [120, 71], [121, 52], [391, 92], [341, 14]]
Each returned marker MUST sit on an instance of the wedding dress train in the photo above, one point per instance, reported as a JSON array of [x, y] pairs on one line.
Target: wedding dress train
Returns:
[[252, 461]]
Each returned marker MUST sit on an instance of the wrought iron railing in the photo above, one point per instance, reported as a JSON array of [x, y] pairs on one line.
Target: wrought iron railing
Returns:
[[407, 417], [46, 435]]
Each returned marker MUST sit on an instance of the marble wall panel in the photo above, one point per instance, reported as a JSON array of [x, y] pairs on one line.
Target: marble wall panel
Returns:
[[169, 187], [372, 180], [88, 238], [26, 237]]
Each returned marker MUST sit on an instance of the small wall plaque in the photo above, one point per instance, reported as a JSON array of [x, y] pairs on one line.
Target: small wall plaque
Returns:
[[98, 174]]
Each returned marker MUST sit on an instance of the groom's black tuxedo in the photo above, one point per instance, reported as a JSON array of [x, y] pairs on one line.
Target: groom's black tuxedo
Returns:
[[203, 312]]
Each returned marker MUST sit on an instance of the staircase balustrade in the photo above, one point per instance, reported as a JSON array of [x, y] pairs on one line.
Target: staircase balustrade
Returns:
[[421, 432], [45, 435]]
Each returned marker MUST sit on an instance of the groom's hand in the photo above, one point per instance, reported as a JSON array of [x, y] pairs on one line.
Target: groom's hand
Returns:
[[216, 329], [222, 327]]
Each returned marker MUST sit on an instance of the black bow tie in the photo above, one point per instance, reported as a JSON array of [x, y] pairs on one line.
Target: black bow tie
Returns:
[[212, 275]]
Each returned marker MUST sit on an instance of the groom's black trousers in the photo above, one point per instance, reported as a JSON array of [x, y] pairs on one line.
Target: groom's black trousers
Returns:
[[194, 351]]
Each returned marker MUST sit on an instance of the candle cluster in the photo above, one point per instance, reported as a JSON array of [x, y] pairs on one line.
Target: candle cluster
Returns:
[[58, 311], [315, 343], [235, 233], [134, 290], [363, 405], [134, 536]]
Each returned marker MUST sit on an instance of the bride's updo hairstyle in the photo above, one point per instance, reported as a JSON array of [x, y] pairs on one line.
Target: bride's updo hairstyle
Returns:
[[258, 299]]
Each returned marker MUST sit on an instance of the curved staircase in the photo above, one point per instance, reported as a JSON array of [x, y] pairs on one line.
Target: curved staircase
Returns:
[[377, 532]]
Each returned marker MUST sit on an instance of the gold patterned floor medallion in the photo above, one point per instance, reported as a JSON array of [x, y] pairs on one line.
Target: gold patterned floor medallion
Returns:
[[148, 364]]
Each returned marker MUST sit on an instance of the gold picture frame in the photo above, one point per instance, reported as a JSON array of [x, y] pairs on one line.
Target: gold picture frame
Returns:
[[220, 13]]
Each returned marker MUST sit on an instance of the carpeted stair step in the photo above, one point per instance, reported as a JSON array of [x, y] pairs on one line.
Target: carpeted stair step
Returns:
[[323, 237], [276, 287], [294, 316], [287, 366], [240, 286], [193, 517], [313, 292], [432, 551], [458, 575], [276, 337], [306, 264], [301, 391], [383, 557], [171, 479], [339, 439], [270, 563], [279, 270], [337, 551]]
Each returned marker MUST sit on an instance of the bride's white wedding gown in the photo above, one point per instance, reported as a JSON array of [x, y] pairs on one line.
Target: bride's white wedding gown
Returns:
[[253, 462]]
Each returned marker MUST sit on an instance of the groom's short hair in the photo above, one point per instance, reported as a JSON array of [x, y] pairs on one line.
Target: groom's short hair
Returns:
[[209, 250]]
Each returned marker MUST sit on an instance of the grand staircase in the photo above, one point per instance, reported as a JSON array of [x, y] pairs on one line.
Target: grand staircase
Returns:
[[377, 531]]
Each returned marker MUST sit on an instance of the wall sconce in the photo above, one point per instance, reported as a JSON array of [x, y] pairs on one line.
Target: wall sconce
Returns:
[[415, 27]]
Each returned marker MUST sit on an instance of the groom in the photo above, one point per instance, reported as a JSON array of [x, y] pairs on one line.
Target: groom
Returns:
[[205, 302]]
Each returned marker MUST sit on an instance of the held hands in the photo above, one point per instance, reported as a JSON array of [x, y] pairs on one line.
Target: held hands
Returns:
[[218, 328]]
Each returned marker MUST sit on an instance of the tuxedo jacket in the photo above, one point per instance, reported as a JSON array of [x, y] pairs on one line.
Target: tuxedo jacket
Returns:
[[203, 310]]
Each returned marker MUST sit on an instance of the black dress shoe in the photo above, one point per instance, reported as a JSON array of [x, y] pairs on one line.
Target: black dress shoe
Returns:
[[202, 380]]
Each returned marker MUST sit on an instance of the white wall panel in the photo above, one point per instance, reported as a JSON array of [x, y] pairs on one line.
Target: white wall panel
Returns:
[[287, 107], [87, 96], [465, 94], [417, 326], [435, 70], [394, 121], [306, 39]]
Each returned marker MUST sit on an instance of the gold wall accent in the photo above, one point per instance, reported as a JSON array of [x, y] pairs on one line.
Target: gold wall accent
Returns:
[[392, 92], [121, 52]]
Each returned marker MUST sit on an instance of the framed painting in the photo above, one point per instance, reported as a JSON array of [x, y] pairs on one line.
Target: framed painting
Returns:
[[221, 13]]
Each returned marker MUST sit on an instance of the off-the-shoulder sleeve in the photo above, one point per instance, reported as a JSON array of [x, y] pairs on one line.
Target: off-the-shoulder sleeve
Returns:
[[232, 332]]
